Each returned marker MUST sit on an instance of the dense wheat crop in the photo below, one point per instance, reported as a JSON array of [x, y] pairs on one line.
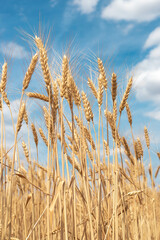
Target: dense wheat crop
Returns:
[[94, 184]]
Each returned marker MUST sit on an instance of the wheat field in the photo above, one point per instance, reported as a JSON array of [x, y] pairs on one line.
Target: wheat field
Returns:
[[94, 184]]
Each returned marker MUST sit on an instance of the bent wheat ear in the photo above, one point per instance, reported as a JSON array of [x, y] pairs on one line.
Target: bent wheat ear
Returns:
[[20, 118], [30, 71], [126, 94], [43, 136], [38, 96], [92, 87]]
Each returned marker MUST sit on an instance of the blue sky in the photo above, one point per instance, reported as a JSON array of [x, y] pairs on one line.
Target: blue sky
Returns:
[[126, 34]]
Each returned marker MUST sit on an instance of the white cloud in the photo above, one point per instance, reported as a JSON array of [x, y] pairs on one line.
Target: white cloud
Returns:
[[153, 39], [155, 114], [13, 50], [86, 6], [132, 10], [128, 28], [147, 72], [53, 3]]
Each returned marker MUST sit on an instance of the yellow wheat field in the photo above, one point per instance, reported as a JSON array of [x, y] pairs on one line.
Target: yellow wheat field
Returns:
[[84, 191]]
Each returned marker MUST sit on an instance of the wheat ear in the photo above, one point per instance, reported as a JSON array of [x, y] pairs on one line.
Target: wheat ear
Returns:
[[92, 87], [4, 95], [102, 72], [43, 136], [126, 94], [3, 77], [146, 137], [100, 90], [129, 115], [30, 71], [64, 77], [20, 118], [87, 107], [38, 96], [43, 60], [26, 153], [34, 134], [114, 86]]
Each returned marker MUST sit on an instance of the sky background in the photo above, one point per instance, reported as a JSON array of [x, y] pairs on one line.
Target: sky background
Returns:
[[124, 34]]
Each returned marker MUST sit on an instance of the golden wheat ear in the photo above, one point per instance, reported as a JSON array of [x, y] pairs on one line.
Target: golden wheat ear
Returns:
[[126, 94], [30, 71], [38, 96], [114, 86], [34, 134], [21, 115]]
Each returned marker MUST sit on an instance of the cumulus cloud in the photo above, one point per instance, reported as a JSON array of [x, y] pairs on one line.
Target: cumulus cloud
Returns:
[[132, 10], [147, 72], [155, 114], [85, 6], [153, 39], [13, 50]]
